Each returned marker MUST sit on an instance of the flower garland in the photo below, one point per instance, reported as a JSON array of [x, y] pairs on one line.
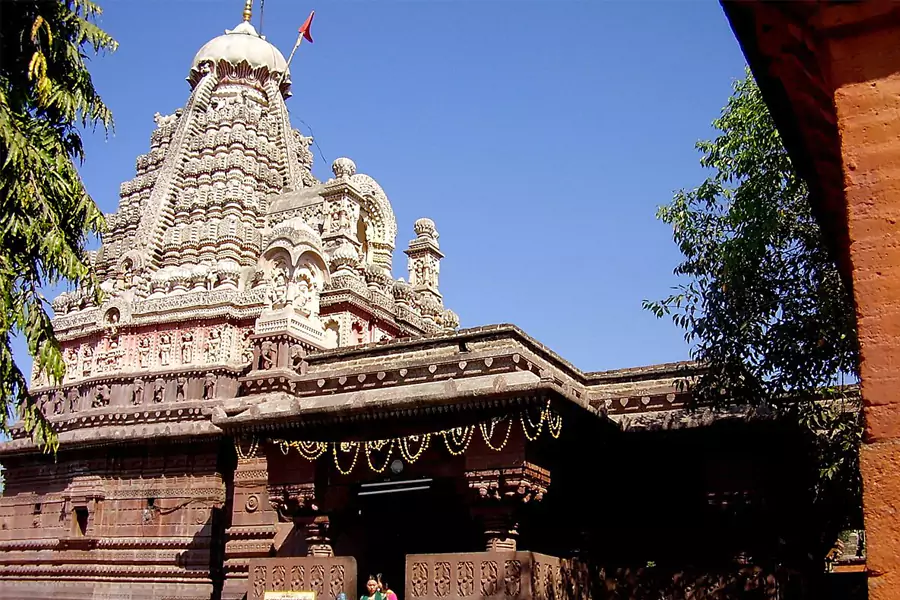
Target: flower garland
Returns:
[[413, 447]]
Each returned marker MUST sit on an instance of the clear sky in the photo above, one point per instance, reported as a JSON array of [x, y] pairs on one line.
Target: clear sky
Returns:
[[539, 136]]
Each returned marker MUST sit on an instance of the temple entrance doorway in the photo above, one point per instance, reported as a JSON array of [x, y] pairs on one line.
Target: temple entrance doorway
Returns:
[[391, 519]]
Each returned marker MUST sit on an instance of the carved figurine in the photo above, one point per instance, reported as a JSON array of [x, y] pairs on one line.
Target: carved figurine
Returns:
[[267, 356], [213, 345], [209, 387], [73, 400], [88, 363], [144, 353], [101, 397], [298, 354], [165, 349], [280, 284], [187, 347], [159, 390], [58, 399], [71, 363], [247, 343], [180, 388], [137, 392]]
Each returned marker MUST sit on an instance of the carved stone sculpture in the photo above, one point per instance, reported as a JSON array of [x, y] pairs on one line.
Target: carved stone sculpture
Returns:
[[187, 347], [71, 363], [209, 387], [213, 345], [267, 356], [159, 390], [144, 353], [137, 392], [101, 397], [165, 349], [180, 388], [88, 361]]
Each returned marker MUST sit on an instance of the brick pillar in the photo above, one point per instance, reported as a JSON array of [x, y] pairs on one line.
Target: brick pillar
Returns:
[[865, 70]]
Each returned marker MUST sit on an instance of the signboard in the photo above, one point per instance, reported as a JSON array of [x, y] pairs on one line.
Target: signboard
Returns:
[[289, 596]]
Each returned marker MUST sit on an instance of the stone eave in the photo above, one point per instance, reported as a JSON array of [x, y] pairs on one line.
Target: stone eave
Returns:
[[282, 410], [105, 435]]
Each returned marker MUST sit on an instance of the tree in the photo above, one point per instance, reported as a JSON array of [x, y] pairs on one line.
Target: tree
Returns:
[[762, 304], [47, 216]]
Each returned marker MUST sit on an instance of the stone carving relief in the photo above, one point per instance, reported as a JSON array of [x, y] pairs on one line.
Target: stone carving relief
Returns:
[[165, 349], [73, 397], [144, 353], [137, 392], [213, 345], [87, 361], [187, 347], [180, 388], [268, 354], [71, 360], [465, 578], [209, 387], [159, 390], [101, 397]]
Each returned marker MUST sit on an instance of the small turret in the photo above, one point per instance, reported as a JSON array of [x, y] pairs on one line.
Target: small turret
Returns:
[[425, 260]]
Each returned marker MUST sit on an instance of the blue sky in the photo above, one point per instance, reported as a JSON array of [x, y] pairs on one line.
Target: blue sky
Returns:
[[539, 136]]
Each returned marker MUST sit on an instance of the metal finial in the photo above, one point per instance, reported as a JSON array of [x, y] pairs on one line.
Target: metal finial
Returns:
[[248, 10]]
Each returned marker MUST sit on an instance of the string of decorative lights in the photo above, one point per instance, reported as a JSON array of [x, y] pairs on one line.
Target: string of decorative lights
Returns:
[[251, 452], [345, 448], [412, 447]]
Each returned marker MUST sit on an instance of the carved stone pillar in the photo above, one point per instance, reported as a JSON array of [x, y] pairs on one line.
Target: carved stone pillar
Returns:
[[499, 497], [253, 521], [297, 503], [317, 541]]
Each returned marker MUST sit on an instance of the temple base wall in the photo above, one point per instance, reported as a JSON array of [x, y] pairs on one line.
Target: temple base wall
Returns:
[[139, 522]]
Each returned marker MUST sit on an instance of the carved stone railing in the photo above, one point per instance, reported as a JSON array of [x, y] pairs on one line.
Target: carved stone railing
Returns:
[[493, 575], [326, 576]]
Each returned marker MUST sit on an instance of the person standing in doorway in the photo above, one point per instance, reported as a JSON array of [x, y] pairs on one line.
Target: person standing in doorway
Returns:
[[372, 591], [385, 589]]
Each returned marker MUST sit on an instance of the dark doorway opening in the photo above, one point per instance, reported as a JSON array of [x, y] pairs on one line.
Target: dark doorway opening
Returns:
[[390, 520]]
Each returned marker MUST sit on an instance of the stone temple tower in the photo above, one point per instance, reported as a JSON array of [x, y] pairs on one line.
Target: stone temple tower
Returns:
[[226, 264], [225, 235]]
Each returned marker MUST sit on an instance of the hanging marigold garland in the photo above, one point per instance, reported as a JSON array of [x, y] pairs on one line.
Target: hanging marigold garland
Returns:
[[412, 447]]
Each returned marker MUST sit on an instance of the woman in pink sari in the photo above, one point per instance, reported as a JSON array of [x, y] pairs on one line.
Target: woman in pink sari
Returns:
[[385, 589]]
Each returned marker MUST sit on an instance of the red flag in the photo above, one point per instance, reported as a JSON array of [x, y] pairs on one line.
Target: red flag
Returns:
[[304, 29]]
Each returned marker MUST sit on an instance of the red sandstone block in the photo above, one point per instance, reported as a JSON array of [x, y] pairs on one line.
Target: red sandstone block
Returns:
[[854, 101], [882, 420], [880, 466], [879, 391], [877, 228], [863, 131]]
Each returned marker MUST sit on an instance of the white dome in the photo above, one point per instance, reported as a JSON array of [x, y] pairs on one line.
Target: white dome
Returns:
[[242, 44]]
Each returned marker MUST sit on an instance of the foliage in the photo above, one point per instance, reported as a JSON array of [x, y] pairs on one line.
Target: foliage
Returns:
[[46, 95], [763, 305]]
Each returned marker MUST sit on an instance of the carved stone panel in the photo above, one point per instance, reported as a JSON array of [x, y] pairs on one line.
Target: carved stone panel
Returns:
[[327, 576], [492, 575]]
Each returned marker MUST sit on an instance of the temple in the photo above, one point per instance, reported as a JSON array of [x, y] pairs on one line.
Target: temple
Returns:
[[259, 405]]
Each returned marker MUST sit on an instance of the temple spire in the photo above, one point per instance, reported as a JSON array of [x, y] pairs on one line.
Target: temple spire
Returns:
[[248, 10]]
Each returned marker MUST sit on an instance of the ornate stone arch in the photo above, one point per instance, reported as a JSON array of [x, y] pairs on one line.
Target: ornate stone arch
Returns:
[[383, 234]]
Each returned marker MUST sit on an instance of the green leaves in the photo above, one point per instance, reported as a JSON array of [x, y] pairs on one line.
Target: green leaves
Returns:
[[46, 94], [761, 300]]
